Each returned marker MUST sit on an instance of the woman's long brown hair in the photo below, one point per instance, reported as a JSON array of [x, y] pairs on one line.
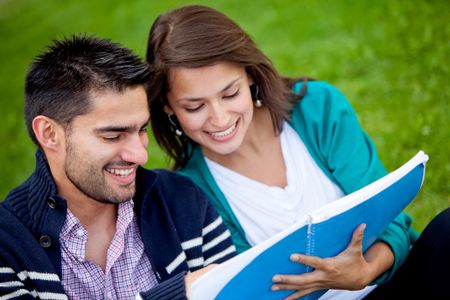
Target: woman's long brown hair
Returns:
[[198, 36]]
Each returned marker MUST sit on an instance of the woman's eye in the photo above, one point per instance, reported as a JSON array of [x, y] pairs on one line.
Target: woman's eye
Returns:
[[193, 109], [232, 95]]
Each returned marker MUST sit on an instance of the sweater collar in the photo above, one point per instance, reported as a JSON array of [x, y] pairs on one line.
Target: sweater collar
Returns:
[[37, 197], [43, 195], [39, 208]]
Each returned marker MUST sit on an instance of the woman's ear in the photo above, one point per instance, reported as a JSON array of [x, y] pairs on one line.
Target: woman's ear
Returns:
[[168, 110], [250, 80], [48, 133], [254, 91]]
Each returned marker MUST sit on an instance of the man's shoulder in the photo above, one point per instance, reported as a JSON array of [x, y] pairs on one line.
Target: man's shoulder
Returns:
[[167, 183], [14, 209], [172, 195], [16, 198], [5, 214], [10, 224], [162, 178]]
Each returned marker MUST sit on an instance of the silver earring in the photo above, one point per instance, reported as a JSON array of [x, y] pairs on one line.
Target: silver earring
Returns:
[[178, 132], [258, 102]]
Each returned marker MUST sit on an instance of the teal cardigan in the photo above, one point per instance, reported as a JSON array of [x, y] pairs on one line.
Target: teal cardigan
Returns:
[[328, 126]]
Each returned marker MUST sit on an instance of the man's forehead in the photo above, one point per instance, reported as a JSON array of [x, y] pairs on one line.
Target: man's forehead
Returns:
[[96, 93], [125, 96], [113, 107]]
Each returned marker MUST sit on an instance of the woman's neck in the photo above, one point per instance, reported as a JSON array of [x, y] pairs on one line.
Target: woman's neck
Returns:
[[259, 157]]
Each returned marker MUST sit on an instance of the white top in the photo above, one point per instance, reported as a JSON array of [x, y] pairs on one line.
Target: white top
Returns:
[[264, 210]]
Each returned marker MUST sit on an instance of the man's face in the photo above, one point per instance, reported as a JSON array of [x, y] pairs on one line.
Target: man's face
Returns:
[[105, 146]]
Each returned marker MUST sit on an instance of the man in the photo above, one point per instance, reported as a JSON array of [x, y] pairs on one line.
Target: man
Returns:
[[90, 222]]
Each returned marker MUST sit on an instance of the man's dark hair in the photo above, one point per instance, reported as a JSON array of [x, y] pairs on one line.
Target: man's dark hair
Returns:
[[60, 80]]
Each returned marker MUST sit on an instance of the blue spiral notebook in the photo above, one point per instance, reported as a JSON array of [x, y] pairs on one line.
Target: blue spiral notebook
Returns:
[[324, 233]]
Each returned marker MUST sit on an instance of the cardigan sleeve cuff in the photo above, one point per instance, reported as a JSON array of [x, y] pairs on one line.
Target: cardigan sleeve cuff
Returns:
[[399, 236], [172, 288]]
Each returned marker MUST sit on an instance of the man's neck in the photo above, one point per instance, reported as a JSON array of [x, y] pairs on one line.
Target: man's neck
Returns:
[[92, 213], [99, 220]]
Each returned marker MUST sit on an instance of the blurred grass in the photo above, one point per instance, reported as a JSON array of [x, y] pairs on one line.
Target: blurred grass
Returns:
[[388, 57]]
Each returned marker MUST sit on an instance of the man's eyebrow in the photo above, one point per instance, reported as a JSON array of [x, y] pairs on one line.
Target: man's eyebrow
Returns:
[[115, 128]]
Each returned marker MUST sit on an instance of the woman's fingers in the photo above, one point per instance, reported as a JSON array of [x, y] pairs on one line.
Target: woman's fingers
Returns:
[[333, 272], [299, 294], [357, 237], [312, 261]]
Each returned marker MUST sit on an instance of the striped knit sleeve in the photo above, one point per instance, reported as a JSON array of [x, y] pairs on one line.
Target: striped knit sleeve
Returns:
[[10, 285], [24, 272], [28, 285], [212, 245], [217, 245], [204, 238], [171, 289]]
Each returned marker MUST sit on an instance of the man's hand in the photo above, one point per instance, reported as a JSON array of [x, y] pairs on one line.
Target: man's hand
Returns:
[[192, 276]]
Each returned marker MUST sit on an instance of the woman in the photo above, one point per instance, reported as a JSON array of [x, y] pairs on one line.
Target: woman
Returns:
[[268, 150]]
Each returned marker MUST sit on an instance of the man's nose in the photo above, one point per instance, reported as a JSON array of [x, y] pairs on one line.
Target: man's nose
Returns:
[[136, 149]]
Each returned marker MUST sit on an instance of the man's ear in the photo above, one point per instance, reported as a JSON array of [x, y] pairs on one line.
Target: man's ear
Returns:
[[168, 110], [48, 133]]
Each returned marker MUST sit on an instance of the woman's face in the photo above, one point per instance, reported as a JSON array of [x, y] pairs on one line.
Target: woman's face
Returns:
[[213, 105]]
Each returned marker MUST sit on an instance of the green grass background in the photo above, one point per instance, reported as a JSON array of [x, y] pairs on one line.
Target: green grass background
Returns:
[[389, 57]]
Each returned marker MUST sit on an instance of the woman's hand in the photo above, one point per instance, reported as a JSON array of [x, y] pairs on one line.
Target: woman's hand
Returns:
[[349, 270]]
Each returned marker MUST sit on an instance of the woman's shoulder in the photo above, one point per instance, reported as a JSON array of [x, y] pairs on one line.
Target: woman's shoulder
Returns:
[[314, 86], [321, 97], [318, 89]]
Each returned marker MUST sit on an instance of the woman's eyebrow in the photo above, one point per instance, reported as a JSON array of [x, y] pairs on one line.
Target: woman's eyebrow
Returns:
[[230, 85], [200, 98]]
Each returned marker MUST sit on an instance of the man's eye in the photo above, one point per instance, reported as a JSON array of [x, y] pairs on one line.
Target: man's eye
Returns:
[[111, 138]]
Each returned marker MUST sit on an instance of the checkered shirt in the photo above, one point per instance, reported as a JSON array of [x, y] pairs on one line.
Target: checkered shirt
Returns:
[[128, 269]]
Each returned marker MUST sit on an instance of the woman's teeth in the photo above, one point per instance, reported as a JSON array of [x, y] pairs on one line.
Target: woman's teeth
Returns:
[[225, 132]]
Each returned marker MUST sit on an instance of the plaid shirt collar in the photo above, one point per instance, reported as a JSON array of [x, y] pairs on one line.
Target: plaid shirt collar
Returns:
[[74, 236]]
